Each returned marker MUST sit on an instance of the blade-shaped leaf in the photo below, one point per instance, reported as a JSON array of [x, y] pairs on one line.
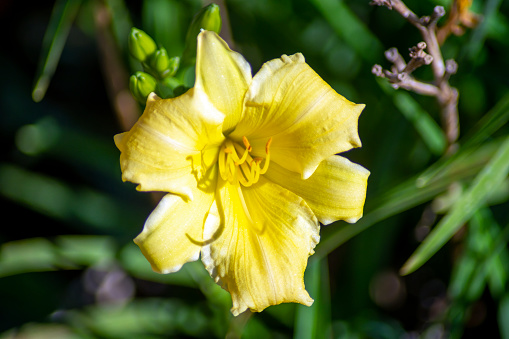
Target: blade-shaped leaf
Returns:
[[489, 124], [350, 28], [485, 183], [315, 321], [405, 196], [56, 34]]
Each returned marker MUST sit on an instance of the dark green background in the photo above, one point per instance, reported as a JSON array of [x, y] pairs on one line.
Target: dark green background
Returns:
[[68, 267]]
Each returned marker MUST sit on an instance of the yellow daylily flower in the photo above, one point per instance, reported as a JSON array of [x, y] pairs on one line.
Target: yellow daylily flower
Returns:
[[250, 167]]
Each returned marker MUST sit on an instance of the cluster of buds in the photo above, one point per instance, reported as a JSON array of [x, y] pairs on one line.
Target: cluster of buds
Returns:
[[400, 73], [162, 74], [157, 65]]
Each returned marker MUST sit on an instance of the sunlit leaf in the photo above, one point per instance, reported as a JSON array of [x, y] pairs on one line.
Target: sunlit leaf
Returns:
[[85, 250], [67, 252], [485, 128], [403, 197], [135, 263], [145, 318], [486, 181]]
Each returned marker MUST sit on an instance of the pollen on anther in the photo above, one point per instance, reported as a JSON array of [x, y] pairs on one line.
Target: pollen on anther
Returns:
[[267, 146], [247, 144]]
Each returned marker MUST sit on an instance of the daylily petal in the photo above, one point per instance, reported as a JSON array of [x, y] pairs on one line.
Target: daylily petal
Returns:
[[224, 75], [262, 251], [163, 151], [335, 191], [173, 232], [307, 120]]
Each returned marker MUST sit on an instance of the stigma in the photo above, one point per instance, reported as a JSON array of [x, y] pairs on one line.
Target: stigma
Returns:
[[237, 166]]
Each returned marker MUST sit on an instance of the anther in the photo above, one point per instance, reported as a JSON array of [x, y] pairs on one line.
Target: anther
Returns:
[[244, 170], [267, 159], [247, 144], [267, 146], [244, 156]]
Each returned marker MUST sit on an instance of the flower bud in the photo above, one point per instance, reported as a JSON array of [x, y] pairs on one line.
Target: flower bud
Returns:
[[209, 19], [174, 66], [141, 85], [162, 65], [159, 61], [141, 45]]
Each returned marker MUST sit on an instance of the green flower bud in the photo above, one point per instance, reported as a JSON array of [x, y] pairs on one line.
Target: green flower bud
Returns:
[[141, 45], [159, 63], [209, 19], [174, 66], [141, 85]]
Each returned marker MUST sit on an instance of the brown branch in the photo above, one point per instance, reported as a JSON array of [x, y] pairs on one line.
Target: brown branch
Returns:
[[400, 74]]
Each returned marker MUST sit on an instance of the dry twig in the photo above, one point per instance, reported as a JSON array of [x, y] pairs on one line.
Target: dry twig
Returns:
[[400, 75]]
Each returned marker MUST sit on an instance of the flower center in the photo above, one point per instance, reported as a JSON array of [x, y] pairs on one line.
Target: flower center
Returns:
[[236, 165]]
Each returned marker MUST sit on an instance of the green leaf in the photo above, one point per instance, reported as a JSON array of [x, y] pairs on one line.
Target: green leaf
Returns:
[[503, 315], [492, 175], [67, 252], [484, 260], [473, 48], [424, 124], [485, 128], [489, 123], [80, 206], [350, 28], [136, 264], [142, 318], [405, 196], [64, 13], [163, 20], [315, 321]]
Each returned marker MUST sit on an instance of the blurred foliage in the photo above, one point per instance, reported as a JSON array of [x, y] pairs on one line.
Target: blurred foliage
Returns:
[[68, 267]]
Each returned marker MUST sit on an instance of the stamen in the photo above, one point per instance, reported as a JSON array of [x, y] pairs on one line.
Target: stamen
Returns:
[[246, 153], [230, 149], [267, 146], [232, 169], [247, 144], [245, 169], [222, 163], [246, 175], [256, 169], [267, 158]]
